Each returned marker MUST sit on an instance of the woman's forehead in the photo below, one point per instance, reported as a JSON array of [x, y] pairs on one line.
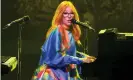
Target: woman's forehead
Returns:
[[68, 9]]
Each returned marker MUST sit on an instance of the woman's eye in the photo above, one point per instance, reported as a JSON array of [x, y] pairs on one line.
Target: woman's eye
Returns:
[[65, 13]]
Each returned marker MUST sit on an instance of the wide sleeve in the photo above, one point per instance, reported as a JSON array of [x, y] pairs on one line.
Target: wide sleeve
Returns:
[[52, 54]]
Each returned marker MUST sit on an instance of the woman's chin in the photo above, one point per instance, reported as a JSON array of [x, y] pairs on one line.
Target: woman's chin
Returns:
[[69, 24]]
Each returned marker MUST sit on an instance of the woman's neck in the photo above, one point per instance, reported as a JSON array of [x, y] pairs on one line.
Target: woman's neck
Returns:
[[64, 26]]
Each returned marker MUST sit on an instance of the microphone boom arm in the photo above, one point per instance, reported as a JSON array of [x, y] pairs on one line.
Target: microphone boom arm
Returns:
[[84, 24]]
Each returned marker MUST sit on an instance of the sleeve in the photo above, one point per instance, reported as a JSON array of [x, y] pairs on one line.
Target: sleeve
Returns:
[[75, 75], [74, 72], [51, 54]]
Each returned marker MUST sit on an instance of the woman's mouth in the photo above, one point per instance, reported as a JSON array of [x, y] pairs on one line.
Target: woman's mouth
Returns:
[[69, 21]]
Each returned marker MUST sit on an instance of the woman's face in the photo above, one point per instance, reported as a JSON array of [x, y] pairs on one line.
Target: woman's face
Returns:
[[67, 17]]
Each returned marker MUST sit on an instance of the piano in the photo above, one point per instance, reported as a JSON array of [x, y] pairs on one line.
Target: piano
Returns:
[[115, 54]]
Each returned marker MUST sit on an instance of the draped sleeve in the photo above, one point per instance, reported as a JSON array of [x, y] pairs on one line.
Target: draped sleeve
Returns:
[[51, 52]]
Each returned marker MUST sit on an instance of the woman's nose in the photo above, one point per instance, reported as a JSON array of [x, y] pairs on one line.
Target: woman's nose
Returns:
[[69, 16]]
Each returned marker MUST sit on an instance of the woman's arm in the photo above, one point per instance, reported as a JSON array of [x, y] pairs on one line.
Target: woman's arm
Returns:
[[52, 52]]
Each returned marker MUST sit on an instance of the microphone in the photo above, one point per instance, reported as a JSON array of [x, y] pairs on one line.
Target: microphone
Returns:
[[20, 20], [84, 24]]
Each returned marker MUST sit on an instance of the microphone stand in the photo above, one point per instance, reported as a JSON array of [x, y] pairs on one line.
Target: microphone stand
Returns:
[[19, 43], [86, 41], [85, 47], [19, 51]]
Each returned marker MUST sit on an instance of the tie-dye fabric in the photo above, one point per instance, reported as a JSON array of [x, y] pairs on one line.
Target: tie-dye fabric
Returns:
[[54, 65]]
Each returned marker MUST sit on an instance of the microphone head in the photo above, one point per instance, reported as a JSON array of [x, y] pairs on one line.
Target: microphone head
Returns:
[[73, 21], [26, 18]]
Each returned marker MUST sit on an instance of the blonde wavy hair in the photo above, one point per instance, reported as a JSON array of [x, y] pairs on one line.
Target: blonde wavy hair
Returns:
[[76, 32]]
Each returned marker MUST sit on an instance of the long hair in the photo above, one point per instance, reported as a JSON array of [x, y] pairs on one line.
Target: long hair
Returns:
[[76, 32]]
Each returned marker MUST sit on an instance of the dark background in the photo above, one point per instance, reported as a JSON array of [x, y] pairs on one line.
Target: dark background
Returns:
[[101, 14]]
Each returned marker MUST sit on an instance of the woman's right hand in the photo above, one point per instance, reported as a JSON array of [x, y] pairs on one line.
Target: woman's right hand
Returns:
[[88, 59]]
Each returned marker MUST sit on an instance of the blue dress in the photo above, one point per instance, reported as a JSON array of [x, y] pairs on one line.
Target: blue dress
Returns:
[[54, 65]]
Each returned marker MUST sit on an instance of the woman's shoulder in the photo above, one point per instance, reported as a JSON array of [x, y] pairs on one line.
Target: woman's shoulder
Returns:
[[55, 31]]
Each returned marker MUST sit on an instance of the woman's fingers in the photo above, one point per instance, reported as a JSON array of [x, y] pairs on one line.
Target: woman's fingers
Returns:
[[88, 59], [91, 59]]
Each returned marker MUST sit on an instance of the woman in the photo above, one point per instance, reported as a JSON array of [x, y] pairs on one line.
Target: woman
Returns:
[[58, 57]]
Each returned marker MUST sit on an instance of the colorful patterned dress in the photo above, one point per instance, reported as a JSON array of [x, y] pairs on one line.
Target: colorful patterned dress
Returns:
[[54, 65]]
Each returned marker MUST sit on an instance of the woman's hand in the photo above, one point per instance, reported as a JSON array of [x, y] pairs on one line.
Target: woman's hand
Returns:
[[88, 59]]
